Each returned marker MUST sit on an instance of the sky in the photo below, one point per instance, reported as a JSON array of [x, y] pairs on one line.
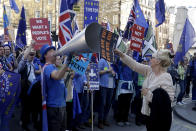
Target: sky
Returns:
[[187, 3]]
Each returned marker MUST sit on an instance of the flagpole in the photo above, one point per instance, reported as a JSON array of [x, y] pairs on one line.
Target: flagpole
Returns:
[[42, 8], [55, 22], [92, 109]]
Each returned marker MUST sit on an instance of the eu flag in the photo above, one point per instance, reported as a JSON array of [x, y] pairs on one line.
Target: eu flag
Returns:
[[76, 104], [160, 12], [135, 17], [9, 94], [21, 33], [14, 6], [187, 39], [140, 19]]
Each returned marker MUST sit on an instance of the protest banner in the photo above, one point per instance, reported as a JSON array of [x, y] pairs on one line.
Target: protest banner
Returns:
[[137, 36], [91, 10], [40, 32], [108, 44], [79, 63], [93, 77]]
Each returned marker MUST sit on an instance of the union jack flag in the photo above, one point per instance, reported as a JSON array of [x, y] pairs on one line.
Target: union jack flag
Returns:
[[65, 28], [130, 23]]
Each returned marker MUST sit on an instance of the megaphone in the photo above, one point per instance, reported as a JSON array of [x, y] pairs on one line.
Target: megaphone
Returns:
[[87, 41]]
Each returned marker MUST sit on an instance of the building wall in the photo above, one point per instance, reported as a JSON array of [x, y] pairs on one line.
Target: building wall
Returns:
[[109, 11], [179, 24], [45, 8]]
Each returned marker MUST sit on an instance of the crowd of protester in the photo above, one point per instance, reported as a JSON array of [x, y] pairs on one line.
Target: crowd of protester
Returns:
[[120, 88]]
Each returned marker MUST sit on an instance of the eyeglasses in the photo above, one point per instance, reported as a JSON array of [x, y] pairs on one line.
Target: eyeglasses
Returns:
[[32, 54]]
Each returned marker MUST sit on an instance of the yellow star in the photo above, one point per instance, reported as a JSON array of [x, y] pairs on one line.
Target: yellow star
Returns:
[[3, 100], [6, 112], [91, 3], [8, 93], [86, 2], [11, 84], [9, 76], [85, 18], [137, 11], [137, 16], [96, 18]]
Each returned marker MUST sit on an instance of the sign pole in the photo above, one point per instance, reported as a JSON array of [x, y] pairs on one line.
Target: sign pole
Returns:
[[92, 109]]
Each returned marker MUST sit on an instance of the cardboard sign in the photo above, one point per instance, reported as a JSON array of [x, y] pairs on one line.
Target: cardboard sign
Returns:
[[137, 36], [108, 44], [40, 32], [79, 63]]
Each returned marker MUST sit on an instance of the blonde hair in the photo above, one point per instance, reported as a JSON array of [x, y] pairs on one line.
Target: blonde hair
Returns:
[[165, 56]]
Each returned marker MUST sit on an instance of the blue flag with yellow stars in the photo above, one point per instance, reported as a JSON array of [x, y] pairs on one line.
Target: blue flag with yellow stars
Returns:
[[91, 10], [188, 38], [14, 6], [9, 94], [21, 34], [140, 19]]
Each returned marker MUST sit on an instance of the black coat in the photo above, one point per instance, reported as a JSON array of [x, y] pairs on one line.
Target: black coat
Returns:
[[161, 111]]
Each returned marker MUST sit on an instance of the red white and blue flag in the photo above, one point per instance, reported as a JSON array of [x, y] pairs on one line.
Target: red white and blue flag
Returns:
[[130, 23], [67, 22], [65, 28]]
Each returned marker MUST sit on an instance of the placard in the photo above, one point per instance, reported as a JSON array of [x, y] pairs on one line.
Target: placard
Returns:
[[93, 77], [91, 11], [40, 31], [137, 36], [79, 63], [108, 44]]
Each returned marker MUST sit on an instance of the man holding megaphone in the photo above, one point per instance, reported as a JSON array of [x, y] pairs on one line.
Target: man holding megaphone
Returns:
[[54, 87]]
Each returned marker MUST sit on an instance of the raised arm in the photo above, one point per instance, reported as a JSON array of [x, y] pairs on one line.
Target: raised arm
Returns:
[[131, 63]]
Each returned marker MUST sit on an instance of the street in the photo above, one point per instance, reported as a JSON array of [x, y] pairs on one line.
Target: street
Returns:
[[177, 125]]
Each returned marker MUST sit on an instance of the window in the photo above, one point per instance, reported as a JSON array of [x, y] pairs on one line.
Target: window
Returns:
[[115, 19], [50, 20], [50, 2], [37, 0], [37, 14]]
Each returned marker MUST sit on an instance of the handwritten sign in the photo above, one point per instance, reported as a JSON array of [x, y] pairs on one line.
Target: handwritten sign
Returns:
[[79, 63], [40, 32], [137, 37], [108, 44]]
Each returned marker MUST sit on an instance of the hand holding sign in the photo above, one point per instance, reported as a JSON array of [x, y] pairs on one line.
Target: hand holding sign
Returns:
[[119, 53], [32, 43]]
